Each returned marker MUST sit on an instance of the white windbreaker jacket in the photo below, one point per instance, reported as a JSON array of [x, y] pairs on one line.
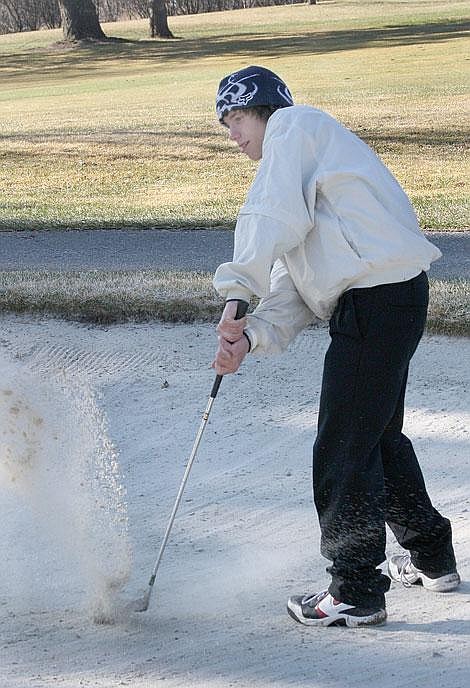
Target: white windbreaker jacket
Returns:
[[323, 215]]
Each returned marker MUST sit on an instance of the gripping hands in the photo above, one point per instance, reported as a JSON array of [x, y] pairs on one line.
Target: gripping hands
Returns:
[[233, 345]]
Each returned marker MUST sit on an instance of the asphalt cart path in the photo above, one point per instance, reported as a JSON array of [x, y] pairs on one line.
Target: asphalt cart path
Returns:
[[160, 249]]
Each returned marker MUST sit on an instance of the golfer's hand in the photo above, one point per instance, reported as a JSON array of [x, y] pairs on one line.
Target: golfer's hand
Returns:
[[228, 328], [230, 355]]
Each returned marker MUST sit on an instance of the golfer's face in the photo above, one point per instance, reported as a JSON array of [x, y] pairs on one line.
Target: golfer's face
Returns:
[[247, 130]]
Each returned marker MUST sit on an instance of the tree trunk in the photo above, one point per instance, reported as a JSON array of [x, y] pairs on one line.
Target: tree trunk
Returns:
[[158, 20], [80, 20]]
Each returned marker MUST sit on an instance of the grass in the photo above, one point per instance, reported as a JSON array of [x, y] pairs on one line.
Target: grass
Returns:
[[105, 298], [449, 310], [101, 297], [123, 134]]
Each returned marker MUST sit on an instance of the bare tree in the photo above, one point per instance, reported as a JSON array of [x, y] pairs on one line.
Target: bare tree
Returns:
[[138, 8], [80, 20], [50, 14], [13, 15], [21, 15], [158, 20]]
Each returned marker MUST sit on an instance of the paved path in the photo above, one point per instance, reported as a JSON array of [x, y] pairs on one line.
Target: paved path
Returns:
[[166, 249]]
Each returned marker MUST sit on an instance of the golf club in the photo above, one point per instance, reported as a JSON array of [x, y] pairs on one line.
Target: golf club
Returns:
[[142, 604]]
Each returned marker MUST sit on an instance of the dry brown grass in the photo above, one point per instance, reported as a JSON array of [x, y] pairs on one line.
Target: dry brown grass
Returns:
[[171, 296], [124, 134]]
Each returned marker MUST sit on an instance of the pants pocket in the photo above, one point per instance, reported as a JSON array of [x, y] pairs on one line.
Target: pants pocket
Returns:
[[344, 320]]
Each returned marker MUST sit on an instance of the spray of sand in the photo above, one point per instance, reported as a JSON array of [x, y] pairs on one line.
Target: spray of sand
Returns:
[[56, 455]]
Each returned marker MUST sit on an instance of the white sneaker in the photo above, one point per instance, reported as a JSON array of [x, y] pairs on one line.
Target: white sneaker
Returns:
[[401, 569], [321, 609]]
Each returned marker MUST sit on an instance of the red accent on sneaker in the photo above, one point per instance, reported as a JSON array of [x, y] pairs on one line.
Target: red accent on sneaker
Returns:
[[321, 614]]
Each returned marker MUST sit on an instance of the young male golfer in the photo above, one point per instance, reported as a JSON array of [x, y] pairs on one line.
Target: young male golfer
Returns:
[[326, 231]]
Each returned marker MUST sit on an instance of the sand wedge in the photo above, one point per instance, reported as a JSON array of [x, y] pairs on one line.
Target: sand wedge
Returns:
[[142, 603]]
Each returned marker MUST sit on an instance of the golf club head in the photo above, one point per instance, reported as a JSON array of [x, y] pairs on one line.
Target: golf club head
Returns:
[[139, 605]]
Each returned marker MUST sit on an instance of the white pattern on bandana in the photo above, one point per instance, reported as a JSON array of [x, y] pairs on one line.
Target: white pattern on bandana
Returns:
[[236, 92]]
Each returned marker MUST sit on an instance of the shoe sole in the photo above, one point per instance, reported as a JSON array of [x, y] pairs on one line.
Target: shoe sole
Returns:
[[347, 620]]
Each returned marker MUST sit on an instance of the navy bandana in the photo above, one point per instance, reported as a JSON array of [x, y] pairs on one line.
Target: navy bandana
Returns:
[[249, 87]]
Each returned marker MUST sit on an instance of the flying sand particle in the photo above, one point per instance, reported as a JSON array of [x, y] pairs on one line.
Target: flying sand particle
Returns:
[[57, 456]]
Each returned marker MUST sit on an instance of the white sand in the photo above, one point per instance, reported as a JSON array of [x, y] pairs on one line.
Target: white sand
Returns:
[[245, 537]]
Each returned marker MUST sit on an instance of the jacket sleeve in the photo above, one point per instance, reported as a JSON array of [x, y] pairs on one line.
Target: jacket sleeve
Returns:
[[259, 242], [275, 217], [280, 316]]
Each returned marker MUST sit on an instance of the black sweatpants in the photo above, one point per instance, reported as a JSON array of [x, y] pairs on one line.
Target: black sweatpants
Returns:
[[365, 472]]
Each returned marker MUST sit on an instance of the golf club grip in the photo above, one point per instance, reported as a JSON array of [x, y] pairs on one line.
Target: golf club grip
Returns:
[[242, 307]]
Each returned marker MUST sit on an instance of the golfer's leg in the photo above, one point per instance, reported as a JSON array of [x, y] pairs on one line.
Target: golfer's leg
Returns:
[[416, 524], [365, 369]]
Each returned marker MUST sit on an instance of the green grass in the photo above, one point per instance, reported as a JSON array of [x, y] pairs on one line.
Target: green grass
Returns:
[[171, 296], [124, 134]]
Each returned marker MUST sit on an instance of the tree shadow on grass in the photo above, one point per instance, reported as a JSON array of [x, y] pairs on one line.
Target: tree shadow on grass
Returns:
[[88, 59], [215, 141], [436, 138]]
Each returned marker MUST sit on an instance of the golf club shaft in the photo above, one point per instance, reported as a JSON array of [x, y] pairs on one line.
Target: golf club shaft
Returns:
[[197, 441], [242, 307]]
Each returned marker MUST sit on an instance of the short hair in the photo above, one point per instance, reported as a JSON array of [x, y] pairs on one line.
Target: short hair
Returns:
[[264, 112]]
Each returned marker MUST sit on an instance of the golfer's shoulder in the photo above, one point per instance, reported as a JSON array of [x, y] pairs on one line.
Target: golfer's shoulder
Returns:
[[299, 120]]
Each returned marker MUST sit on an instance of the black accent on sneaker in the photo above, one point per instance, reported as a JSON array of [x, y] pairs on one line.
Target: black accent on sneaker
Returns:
[[338, 622], [321, 609], [362, 611], [437, 574], [402, 570]]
